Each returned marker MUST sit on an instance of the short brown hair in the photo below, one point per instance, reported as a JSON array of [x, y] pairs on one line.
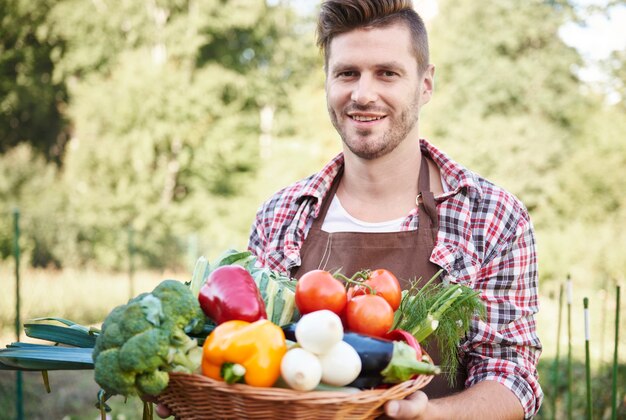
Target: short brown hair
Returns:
[[340, 16]]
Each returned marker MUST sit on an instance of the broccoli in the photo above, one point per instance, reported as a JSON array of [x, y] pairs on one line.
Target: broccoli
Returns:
[[109, 372], [146, 338], [181, 304], [152, 383]]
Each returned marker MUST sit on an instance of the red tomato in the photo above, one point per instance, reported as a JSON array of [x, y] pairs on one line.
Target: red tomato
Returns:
[[385, 284], [369, 315], [317, 290]]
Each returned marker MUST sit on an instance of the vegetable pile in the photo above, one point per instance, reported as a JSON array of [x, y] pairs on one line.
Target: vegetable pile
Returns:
[[239, 323]]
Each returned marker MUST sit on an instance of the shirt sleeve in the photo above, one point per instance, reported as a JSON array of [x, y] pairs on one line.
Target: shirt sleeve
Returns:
[[257, 241], [504, 347]]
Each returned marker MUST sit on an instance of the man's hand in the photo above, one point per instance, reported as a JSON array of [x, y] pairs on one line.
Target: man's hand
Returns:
[[413, 407], [487, 399], [161, 409]]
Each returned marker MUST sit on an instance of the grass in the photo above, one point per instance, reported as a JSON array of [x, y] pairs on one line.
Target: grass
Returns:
[[73, 397], [88, 296], [602, 330], [85, 297]]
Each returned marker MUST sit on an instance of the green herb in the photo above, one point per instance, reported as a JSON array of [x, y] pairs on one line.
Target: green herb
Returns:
[[440, 312]]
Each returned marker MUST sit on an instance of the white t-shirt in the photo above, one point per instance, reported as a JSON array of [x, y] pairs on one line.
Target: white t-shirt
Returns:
[[339, 220]]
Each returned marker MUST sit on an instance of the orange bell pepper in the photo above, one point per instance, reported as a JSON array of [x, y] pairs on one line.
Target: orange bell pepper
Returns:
[[237, 350]]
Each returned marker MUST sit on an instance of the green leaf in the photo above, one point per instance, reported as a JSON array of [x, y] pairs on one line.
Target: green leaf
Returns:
[[152, 309], [77, 337], [61, 320], [41, 357], [232, 257]]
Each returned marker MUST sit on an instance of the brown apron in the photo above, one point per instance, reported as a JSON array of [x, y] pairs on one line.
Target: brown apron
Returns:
[[406, 254]]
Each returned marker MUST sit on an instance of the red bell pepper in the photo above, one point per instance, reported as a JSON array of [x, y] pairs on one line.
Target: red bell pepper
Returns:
[[230, 293]]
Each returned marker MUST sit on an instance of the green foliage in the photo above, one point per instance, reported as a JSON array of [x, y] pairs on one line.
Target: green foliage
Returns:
[[511, 101], [601, 384], [31, 99], [27, 181], [180, 133], [164, 100]]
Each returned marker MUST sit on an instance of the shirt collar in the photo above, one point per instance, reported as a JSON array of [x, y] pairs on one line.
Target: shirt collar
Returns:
[[317, 185], [455, 175]]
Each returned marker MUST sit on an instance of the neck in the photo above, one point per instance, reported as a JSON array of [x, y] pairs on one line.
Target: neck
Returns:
[[384, 188]]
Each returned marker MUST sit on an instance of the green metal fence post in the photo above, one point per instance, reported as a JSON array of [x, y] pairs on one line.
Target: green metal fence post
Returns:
[[615, 361], [587, 359], [570, 397], [19, 397], [555, 378]]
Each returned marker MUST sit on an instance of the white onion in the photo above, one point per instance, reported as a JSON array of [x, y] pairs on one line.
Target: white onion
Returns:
[[301, 369], [318, 331], [340, 365]]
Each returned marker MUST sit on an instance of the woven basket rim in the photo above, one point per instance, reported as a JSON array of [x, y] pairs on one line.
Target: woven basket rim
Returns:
[[195, 396], [197, 381]]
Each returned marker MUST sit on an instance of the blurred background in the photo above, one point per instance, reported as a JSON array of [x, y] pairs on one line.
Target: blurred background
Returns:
[[136, 136]]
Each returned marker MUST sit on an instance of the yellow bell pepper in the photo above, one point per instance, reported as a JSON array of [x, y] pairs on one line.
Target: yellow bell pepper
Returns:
[[239, 349]]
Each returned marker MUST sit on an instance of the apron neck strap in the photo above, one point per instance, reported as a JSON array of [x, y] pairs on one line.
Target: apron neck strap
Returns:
[[425, 199]]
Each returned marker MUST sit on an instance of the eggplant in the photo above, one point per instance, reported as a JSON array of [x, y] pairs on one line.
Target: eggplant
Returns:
[[383, 361]]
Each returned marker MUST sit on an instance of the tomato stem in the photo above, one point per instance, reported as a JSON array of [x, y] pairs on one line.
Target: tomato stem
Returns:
[[356, 279]]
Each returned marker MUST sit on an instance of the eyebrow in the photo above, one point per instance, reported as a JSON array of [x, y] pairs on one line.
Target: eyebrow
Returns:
[[391, 65]]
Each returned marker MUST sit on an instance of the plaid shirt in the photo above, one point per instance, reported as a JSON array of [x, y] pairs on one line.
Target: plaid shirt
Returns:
[[485, 241]]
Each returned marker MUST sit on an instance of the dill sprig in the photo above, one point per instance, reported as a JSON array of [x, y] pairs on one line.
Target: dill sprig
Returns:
[[440, 312]]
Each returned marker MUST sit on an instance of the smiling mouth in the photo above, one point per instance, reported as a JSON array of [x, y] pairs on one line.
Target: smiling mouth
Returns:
[[364, 118]]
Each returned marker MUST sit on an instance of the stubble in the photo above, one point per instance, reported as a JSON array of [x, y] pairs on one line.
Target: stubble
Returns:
[[363, 144]]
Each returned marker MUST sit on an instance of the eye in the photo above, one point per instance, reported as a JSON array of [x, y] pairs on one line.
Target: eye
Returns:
[[346, 74], [389, 74]]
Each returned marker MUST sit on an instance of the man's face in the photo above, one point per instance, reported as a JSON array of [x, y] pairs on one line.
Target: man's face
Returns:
[[374, 90]]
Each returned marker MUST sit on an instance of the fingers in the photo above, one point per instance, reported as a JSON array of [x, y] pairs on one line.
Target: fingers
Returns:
[[162, 411], [414, 406]]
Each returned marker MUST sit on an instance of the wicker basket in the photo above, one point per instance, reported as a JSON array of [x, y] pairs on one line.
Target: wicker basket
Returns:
[[200, 397]]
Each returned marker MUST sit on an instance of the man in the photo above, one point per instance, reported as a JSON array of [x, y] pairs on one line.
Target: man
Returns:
[[392, 200]]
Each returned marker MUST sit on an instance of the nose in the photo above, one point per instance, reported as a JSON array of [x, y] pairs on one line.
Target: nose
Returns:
[[363, 91]]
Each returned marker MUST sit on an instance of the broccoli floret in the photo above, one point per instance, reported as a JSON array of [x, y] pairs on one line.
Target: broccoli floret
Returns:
[[181, 304], [134, 320], [148, 338], [152, 383], [111, 377], [111, 339], [124, 322], [145, 351], [110, 336], [185, 362]]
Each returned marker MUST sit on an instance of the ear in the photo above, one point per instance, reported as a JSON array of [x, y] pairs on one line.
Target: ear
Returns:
[[427, 84]]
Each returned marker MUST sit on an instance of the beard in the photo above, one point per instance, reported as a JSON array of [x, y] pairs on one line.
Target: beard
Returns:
[[363, 144]]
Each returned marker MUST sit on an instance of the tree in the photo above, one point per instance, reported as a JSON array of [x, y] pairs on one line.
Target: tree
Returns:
[[505, 85], [31, 97], [166, 97]]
